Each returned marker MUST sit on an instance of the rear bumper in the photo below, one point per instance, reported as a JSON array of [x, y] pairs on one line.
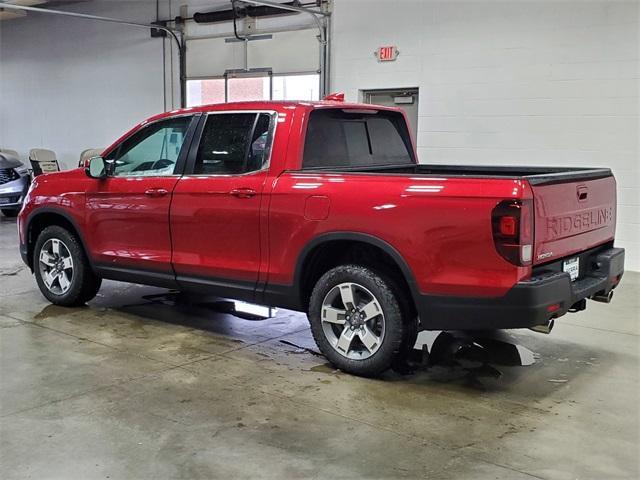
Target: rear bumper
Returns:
[[529, 303]]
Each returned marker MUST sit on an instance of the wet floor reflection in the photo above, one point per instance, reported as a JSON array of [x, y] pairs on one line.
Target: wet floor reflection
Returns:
[[244, 310], [446, 355], [475, 352], [470, 356], [474, 349]]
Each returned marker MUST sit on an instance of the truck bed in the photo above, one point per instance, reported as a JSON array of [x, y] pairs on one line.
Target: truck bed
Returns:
[[534, 175], [574, 206]]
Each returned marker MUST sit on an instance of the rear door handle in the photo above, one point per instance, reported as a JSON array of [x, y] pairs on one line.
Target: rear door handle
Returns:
[[243, 192], [156, 192]]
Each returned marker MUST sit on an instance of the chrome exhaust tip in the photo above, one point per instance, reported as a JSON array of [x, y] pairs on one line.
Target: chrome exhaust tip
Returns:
[[543, 328], [606, 298]]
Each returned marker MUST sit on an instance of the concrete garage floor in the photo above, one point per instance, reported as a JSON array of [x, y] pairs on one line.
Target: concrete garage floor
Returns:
[[134, 386]]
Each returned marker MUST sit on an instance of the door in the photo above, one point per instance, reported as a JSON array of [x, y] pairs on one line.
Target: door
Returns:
[[128, 212], [407, 99], [215, 213]]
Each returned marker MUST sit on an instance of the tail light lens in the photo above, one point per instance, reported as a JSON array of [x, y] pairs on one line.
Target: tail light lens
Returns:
[[512, 224]]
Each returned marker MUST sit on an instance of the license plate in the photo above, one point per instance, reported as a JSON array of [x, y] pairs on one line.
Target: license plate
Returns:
[[572, 267], [4, 200]]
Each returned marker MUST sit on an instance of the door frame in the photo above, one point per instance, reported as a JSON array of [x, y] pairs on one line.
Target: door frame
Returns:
[[238, 289], [367, 93]]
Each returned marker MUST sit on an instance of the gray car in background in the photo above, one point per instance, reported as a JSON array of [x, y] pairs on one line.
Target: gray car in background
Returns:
[[14, 183]]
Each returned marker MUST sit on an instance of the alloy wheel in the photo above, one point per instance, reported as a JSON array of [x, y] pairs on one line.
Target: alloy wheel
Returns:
[[56, 266], [353, 321]]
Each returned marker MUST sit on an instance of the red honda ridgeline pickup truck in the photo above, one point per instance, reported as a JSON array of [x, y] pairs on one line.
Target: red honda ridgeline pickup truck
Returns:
[[323, 208]]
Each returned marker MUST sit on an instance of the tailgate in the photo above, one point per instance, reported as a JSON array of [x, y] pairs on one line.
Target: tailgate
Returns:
[[572, 216]]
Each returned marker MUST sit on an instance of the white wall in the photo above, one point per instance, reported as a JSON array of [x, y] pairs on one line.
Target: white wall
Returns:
[[518, 82], [68, 84]]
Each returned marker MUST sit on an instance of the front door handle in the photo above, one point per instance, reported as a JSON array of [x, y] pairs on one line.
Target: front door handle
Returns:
[[156, 192], [243, 192]]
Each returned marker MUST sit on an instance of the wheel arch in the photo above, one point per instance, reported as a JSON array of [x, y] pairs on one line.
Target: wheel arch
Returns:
[[46, 217], [307, 273]]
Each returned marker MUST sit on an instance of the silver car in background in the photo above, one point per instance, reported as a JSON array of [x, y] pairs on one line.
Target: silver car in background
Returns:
[[14, 183]]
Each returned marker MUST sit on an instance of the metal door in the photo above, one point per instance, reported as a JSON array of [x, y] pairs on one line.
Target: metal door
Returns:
[[405, 98]]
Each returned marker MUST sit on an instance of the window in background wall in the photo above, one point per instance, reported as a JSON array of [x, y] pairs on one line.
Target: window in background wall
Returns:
[[242, 89], [203, 92], [239, 89], [296, 87]]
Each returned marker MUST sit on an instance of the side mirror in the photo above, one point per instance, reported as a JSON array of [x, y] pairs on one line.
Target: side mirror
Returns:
[[96, 167]]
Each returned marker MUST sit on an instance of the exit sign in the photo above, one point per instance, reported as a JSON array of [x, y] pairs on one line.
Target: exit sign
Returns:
[[387, 54]]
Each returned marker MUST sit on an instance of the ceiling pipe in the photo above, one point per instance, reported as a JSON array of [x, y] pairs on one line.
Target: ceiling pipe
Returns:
[[243, 11], [180, 44], [284, 6]]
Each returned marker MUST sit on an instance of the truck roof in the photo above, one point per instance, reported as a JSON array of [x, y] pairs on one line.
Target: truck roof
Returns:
[[280, 106], [277, 105]]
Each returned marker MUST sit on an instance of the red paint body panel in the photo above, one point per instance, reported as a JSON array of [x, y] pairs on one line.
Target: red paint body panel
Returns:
[[567, 224], [440, 225], [128, 228], [61, 191], [216, 234]]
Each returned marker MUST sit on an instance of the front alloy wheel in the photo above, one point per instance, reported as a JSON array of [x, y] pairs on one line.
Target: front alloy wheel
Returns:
[[353, 321], [62, 269], [56, 266]]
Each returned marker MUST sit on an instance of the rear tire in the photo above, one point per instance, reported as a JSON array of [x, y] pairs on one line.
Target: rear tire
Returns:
[[403, 363], [356, 320], [10, 212], [62, 270]]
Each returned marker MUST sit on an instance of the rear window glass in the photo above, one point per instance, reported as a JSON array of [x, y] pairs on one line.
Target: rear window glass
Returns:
[[339, 138], [233, 143]]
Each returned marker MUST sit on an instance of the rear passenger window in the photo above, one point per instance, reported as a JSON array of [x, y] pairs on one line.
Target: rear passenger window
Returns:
[[234, 143], [260, 142], [340, 138]]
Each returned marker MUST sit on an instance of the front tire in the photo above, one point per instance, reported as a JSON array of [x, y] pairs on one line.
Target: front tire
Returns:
[[62, 270], [356, 320]]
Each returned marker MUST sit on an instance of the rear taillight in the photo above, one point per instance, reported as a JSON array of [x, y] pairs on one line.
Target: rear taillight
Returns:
[[512, 225]]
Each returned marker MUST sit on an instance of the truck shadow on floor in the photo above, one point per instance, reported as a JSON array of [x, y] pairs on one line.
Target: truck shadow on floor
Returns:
[[475, 352], [480, 361], [456, 361]]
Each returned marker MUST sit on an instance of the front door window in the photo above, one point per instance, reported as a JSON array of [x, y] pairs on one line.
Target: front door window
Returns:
[[152, 151]]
